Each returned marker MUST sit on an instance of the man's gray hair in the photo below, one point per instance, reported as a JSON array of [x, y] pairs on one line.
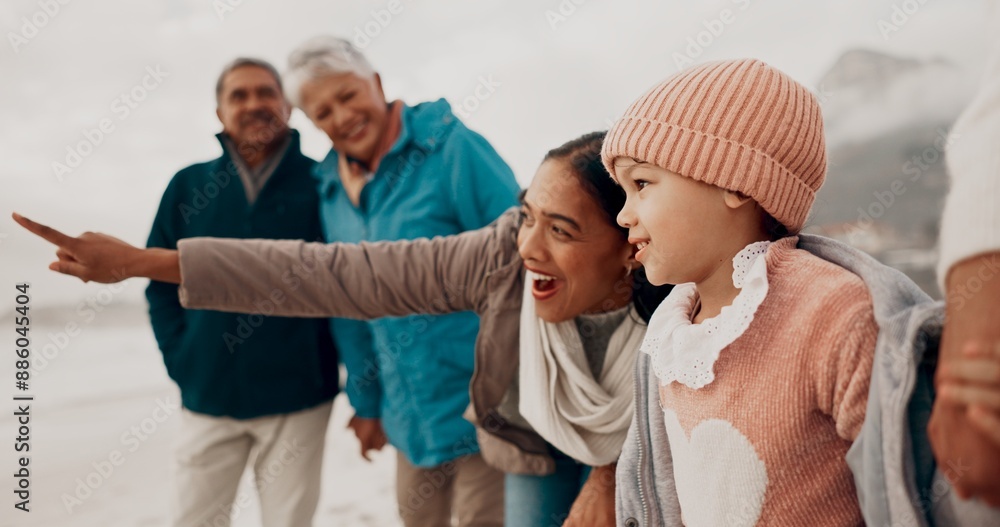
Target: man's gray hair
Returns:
[[322, 56], [243, 62]]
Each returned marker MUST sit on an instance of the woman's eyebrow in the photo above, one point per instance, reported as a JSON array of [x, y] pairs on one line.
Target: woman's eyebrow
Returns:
[[567, 219], [552, 215]]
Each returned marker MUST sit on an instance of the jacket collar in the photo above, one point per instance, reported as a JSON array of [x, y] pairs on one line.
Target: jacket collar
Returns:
[[293, 148], [425, 126]]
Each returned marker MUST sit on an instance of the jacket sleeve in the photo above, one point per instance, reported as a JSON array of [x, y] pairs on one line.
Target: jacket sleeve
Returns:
[[357, 352], [165, 311], [482, 185], [363, 281]]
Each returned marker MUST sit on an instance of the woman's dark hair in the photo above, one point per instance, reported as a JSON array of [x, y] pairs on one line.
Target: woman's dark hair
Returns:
[[583, 155]]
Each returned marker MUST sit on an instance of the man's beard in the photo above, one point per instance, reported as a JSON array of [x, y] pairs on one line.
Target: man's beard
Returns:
[[272, 134]]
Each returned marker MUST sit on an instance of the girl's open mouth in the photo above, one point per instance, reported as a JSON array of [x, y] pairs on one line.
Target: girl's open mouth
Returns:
[[640, 250]]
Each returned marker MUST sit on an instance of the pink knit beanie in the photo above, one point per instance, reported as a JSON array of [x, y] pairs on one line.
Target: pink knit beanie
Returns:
[[741, 125]]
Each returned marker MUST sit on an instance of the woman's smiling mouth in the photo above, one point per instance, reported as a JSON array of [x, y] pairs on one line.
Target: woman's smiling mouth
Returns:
[[356, 131], [543, 286]]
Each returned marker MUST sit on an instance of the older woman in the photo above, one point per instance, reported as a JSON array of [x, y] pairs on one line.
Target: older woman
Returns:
[[402, 172], [556, 287]]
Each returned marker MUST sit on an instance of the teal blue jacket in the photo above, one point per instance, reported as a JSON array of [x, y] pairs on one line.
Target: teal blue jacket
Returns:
[[228, 364], [439, 178]]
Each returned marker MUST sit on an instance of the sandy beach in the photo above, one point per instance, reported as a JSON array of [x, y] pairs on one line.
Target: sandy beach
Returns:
[[103, 424]]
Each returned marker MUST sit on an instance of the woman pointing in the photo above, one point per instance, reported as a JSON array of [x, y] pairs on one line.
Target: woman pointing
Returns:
[[561, 300]]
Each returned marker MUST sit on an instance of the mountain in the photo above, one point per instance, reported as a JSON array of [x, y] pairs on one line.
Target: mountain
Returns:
[[887, 120]]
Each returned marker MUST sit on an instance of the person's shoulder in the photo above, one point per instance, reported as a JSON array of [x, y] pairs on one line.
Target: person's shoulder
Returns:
[[502, 234], [210, 176], [430, 112], [203, 169], [295, 153], [435, 125], [817, 285], [510, 221]]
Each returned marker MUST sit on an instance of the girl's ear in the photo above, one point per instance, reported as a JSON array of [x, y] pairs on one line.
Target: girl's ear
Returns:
[[735, 200]]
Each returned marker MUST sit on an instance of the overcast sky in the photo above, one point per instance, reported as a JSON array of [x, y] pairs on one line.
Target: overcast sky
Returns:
[[557, 69]]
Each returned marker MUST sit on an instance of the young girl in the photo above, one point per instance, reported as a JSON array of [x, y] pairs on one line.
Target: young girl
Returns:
[[792, 374], [763, 353]]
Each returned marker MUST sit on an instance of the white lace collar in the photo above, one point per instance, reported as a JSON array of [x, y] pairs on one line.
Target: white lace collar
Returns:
[[686, 352]]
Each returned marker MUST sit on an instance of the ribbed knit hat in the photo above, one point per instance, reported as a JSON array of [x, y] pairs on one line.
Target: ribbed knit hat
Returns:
[[741, 125]]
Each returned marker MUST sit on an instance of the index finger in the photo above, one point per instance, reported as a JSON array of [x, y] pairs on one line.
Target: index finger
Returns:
[[48, 233], [981, 349]]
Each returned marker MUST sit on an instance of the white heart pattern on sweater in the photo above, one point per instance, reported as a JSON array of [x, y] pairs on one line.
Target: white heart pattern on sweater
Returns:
[[720, 478]]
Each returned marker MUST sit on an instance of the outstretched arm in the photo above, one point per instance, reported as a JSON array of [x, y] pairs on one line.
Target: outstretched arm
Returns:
[[295, 278]]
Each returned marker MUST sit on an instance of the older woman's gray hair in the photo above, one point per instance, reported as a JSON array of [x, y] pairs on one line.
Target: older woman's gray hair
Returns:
[[319, 57]]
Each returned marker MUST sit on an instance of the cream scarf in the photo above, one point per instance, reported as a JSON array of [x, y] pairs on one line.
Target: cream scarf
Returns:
[[585, 418]]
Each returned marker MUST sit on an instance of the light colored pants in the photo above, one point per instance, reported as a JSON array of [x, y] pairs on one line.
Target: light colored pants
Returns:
[[212, 453], [465, 488]]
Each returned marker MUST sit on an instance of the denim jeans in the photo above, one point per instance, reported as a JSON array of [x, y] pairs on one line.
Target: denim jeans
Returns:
[[543, 501]]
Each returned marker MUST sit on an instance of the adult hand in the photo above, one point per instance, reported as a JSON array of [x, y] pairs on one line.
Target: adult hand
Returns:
[[963, 424], [369, 433], [95, 257], [973, 379], [595, 505]]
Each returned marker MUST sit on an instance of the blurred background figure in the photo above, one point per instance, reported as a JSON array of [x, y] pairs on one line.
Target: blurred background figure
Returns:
[[401, 172], [243, 400], [965, 425]]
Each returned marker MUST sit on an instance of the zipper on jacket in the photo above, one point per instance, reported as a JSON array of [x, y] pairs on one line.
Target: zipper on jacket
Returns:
[[638, 440]]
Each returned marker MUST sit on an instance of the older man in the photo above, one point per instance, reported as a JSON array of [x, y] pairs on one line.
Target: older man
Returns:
[[253, 387]]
